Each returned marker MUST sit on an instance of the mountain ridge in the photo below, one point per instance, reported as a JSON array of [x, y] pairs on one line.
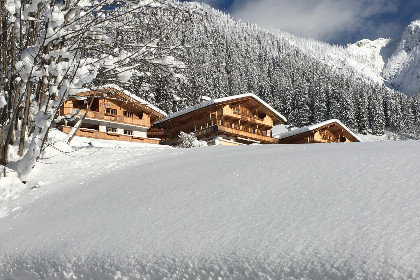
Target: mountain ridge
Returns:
[[403, 68], [378, 66]]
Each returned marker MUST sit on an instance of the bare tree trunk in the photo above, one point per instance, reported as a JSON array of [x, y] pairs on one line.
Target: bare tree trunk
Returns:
[[14, 94], [75, 128], [25, 119], [5, 85], [2, 73], [43, 142]]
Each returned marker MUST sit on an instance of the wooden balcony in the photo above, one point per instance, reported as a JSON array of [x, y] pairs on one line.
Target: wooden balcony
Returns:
[[111, 118], [156, 133], [248, 135], [231, 113], [238, 134], [90, 133]]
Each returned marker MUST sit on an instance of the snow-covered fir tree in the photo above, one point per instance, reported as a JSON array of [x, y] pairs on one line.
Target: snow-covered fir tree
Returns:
[[223, 57]]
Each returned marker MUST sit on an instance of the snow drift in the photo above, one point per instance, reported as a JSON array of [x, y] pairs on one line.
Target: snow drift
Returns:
[[338, 211]]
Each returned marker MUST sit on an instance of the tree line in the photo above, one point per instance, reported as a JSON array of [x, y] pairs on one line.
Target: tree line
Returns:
[[298, 77]]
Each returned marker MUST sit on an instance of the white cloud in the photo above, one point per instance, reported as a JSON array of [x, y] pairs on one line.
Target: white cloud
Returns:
[[325, 20]]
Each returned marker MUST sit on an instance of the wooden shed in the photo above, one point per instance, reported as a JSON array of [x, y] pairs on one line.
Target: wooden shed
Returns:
[[113, 114], [234, 120], [331, 131]]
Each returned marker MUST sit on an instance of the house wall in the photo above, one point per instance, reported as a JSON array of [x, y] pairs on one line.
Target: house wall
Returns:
[[105, 104], [254, 125], [134, 121], [137, 117], [323, 135]]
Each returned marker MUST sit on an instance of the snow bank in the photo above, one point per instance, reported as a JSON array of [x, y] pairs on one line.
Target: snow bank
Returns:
[[336, 211], [10, 186]]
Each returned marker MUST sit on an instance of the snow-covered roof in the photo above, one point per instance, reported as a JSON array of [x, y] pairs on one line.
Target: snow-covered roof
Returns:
[[316, 126], [218, 101], [129, 94]]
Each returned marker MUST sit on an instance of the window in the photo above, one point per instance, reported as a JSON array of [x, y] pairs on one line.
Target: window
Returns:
[[231, 125], [128, 132], [111, 111], [90, 126], [111, 129], [140, 115], [192, 129], [203, 126], [261, 115], [95, 105], [253, 130], [128, 114], [80, 104]]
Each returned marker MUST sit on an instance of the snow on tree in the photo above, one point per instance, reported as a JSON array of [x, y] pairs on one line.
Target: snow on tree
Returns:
[[52, 49], [188, 140]]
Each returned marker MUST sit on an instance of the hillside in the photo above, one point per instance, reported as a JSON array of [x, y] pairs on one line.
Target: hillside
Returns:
[[306, 80], [337, 211]]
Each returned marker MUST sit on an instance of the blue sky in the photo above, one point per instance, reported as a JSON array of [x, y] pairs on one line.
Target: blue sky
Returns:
[[333, 21]]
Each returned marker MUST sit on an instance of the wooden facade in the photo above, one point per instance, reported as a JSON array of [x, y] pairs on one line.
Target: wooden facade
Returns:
[[236, 120], [113, 115], [332, 131]]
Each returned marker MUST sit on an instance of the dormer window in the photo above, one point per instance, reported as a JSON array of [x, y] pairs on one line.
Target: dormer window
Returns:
[[111, 111], [128, 114]]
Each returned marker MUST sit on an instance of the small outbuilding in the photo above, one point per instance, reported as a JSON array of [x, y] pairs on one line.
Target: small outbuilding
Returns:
[[331, 131]]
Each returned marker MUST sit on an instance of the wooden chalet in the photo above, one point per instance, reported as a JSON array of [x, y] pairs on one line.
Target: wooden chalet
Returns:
[[114, 114], [234, 120], [331, 131]]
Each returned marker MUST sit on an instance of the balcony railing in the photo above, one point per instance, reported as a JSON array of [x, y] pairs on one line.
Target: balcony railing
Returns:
[[263, 139], [109, 117], [229, 132], [91, 133], [229, 112]]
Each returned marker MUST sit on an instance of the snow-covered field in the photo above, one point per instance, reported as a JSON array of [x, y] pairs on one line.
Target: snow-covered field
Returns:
[[322, 211]]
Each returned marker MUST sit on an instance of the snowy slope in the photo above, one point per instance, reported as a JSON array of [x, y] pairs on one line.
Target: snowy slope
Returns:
[[253, 212], [353, 61], [393, 61], [403, 68], [375, 54], [396, 61]]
